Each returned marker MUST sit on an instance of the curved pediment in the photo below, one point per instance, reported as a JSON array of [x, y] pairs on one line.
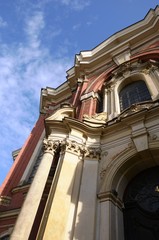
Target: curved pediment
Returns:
[[60, 114]]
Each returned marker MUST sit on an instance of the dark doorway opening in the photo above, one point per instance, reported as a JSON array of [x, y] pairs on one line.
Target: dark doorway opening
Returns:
[[141, 201]]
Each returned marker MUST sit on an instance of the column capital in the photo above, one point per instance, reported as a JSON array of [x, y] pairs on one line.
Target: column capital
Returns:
[[72, 146], [50, 146], [92, 153]]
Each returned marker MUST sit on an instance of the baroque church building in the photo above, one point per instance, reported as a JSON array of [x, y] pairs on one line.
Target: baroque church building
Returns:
[[90, 168]]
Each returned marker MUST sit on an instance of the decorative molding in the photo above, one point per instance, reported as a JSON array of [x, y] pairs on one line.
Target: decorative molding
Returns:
[[89, 95], [21, 188], [151, 66], [123, 70], [5, 200], [6, 234], [154, 137], [50, 146], [111, 196], [128, 68], [103, 164], [122, 57], [96, 120], [99, 117], [102, 173], [93, 153], [65, 110], [10, 213], [104, 169], [71, 146], [137, 107]]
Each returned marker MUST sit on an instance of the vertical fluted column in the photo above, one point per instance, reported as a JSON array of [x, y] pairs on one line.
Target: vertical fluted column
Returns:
[[30, 206], [61, 214]]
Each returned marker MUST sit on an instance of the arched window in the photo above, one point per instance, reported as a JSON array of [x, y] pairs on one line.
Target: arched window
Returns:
[[133, 93]]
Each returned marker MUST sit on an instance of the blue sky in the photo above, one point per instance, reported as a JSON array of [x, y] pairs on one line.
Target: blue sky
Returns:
[[38, 42]]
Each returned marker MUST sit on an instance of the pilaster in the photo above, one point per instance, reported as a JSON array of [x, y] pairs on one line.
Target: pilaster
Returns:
[[29, 209], [85, 225], [59, 226], [111, 216]]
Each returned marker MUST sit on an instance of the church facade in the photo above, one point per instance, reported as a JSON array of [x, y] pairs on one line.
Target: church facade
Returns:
[[90, 168]]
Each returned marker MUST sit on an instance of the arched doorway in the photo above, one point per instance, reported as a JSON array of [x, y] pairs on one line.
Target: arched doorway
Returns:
[[141, 201]]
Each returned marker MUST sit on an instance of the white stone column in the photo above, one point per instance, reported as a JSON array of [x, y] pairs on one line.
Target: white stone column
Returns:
[[111, 217], [112, 102], [85, 225], [105, 101], [108, 102], [60, 221], [30, 206]]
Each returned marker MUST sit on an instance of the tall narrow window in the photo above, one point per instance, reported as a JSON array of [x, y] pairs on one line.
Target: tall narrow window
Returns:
[[100, 103], [133, 93], [35, 167]]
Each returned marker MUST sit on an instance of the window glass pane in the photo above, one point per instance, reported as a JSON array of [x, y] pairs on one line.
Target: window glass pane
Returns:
[[5, 237], [133, 93]]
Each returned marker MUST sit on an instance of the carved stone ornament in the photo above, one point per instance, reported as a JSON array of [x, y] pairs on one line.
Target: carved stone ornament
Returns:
[[72, 146], [93, 153], [148, 69], [99, 117], [136, 108], [154, 137], [103, 165], [5, 200], [123, 69], [102, 173], [50, 145]]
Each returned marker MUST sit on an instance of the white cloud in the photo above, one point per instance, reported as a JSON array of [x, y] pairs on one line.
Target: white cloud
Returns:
[[34, 25], [76, 4], [76, 26], [25, 68], [73, 4], [2, 23]]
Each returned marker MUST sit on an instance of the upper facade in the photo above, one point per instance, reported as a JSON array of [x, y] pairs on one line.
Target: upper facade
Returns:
[[128, 60]]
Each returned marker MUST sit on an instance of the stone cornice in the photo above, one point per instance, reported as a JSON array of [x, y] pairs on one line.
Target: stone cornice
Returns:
[[125, 38], [54, 96], [82, 127]]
